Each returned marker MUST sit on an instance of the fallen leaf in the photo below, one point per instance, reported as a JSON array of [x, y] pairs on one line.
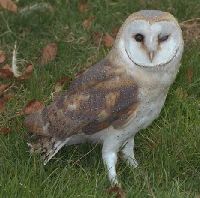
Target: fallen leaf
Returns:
[[33, 106], [8, 5], [118, 191], [6, 72], [190, 74], [88, 22], [49, 53], [5, 130], [2, 56], [97, 37], [2, 104], [3, 87], [27, 73], [83, 6], [7, 66], [108, 40]]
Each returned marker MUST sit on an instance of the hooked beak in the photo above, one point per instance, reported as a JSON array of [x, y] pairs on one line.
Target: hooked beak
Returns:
[[151, 55]]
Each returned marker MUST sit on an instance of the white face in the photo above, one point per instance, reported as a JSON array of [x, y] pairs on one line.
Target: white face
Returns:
[[153, 44]]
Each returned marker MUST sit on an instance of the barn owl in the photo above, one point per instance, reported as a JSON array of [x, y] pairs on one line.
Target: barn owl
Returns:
[[117, 97]]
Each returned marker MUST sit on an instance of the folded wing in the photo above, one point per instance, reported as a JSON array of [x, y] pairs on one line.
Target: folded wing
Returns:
[[101, 97]]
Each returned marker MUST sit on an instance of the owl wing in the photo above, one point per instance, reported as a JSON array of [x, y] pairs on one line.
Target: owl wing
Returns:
[[101, 97]]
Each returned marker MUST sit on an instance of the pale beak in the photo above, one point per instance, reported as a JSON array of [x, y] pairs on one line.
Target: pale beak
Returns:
[[151, 55]]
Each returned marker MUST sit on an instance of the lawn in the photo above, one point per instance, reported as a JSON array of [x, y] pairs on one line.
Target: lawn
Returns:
[[168, 151]]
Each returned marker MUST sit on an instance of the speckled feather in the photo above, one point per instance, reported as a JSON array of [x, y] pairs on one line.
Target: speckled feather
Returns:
[[104, 95]]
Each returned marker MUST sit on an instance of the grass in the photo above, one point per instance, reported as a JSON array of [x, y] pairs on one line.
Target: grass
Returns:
[[168, 151]]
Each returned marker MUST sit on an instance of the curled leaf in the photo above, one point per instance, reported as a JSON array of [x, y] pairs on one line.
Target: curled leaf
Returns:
[[8, 5], [2, 57], [83, 6], [6, 72], [33, 106], [5, 130], [2, 104], [108, 40], [49, 53]]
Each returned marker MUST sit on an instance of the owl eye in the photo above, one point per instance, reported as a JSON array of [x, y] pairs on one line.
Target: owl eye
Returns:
[[139, 37], [163, 38]]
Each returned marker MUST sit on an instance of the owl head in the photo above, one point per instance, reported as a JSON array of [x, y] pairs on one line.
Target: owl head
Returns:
[[150, 38]]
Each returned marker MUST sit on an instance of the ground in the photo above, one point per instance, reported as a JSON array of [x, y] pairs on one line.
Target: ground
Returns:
[[168, 152]]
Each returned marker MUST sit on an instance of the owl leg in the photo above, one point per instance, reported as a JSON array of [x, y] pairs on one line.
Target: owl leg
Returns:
[[128, 153], [109, 154]]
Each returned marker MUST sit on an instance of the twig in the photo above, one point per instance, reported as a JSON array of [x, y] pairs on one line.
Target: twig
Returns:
[[35, 7], [189, 20], [15, 71]]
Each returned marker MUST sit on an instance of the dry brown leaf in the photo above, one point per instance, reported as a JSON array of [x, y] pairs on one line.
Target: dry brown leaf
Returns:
[[118, 191], [7, 66], [33, 106], [49, 53], [83, 6], [2, 57], [5, 130], [2, 104], [189, 75], [88, 22], [27, 73], [108, 40], [3, 87], [8, 5], [6, 72]]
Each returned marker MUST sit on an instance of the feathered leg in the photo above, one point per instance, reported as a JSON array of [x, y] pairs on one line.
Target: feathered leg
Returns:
[[109, 154], [128, 153]]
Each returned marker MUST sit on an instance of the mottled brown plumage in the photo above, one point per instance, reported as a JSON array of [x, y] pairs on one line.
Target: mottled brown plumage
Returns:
[[104, 95]]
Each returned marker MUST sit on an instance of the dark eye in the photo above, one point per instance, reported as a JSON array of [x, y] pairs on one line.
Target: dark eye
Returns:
[[139, 37], [163, 38]]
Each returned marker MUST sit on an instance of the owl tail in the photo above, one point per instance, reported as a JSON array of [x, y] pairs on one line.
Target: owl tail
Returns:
[[47, 146]]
